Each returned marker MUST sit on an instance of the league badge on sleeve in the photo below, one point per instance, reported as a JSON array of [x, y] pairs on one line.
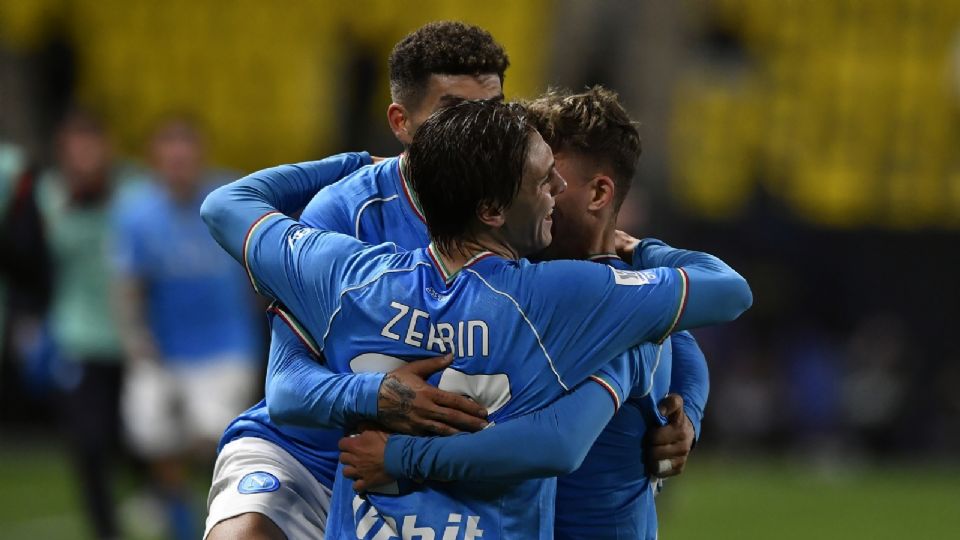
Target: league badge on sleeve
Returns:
[[258, 482], [633, 277]]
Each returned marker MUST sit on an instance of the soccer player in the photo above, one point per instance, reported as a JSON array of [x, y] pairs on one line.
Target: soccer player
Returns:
[[282, 436], [433, 65], [487, 185], [596, 147], [187, 320]]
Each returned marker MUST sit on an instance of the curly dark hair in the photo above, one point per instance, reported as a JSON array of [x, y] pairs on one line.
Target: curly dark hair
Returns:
[[592, 123], [447, 48], [466, 156]]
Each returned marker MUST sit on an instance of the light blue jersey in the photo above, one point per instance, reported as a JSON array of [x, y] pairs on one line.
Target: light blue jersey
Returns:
[[375, 203], [198, 304], [611, 496], [316, 447], [370, 307], [521, 335]]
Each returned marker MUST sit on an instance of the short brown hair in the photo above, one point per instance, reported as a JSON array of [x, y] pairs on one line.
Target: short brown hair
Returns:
[[593, 123], [463, 157]]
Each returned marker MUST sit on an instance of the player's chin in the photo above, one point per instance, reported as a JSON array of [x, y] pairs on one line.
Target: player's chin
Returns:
[[545, 239]]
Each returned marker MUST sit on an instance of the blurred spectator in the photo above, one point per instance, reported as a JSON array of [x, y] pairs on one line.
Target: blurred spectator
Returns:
[[186, 319], [24, 280], [874, 386], [74, 201]]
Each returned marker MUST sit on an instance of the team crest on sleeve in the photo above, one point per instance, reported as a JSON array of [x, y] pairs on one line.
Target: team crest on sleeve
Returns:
[[258, 482], [298, 235], [634, 277]]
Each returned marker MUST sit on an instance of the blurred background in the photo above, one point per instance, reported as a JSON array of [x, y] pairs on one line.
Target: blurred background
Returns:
[[812, 144]]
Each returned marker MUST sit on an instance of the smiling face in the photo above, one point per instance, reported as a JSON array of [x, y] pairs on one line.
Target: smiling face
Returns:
[[441, 91], [528, 221]]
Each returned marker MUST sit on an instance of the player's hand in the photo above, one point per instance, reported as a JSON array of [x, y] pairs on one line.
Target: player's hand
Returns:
[[362, 457], [667, 447], [407, 404], [625, 245], [376, 159]]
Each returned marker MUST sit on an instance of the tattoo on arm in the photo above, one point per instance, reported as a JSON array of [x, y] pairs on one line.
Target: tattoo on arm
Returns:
[[396, 399]]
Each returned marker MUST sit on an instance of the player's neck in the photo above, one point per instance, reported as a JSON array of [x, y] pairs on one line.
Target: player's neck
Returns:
[[597, 238], [469, 250], [604, 242]]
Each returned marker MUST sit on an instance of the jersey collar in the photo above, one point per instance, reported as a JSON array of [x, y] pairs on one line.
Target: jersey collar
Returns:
[[603, 257], [447, 275], [408, 189]]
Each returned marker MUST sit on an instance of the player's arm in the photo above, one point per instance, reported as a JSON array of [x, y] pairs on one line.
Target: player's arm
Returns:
[[128, 295], [714, 288], [232, 210], [302, 268], [620, 309], [302, 391], [550, 442], [667, 447], [299, 266], [690, 377]]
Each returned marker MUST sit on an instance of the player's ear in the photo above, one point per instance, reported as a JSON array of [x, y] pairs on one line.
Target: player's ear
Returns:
[[491, 216], [602, 190], [399, 122]]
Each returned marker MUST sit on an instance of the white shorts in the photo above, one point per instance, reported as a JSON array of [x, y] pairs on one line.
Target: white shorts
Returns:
[[167, 409], [255, 475]]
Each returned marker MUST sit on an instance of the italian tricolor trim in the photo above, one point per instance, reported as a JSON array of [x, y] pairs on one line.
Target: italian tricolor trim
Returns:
[[684, 290], [449, 276], [609, 388], [294, 325], [246, 245]]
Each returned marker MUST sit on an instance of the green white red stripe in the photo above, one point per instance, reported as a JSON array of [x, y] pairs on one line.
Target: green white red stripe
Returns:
[[294, 325], [684, 290], [609, 388], [246, 245], [449, 276]]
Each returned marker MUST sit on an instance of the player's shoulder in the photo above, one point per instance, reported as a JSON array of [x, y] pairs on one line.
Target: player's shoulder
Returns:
[[533, 285], [370, 262], [367, 182], [350, 195]]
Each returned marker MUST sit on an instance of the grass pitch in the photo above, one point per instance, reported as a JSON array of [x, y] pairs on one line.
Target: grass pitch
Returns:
[[716, 499]]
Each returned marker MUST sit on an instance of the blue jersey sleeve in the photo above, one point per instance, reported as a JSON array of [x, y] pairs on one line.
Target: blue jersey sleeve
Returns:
[[620, 309], [299, 266], [690, 377], [714, 287], [330, 212], [622, 374], [555, 440], [301, 391], [231, 212]]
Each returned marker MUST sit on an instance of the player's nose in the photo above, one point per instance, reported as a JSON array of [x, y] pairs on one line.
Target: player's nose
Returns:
[[559, 185]]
